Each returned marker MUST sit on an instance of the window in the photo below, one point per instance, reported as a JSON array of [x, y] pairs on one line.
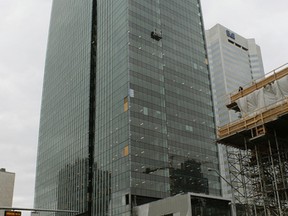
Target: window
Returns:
[[127, 199], [125, 104], [145, 110], [125, 151]]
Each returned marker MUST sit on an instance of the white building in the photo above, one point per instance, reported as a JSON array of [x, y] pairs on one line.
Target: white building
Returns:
[[189, 204], [6, 188], [234, 62]]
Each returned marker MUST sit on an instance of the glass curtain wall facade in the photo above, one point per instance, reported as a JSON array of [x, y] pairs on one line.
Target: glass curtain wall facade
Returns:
[[141, 67], [62, 160]]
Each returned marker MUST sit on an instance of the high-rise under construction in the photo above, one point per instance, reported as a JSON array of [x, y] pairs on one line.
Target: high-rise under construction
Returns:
[[258, 157]]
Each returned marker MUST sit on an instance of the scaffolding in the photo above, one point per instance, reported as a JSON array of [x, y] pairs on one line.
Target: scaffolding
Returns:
[[258, 153]]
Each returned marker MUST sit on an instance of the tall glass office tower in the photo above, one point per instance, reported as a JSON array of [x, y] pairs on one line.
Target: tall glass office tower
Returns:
[[127, 114]]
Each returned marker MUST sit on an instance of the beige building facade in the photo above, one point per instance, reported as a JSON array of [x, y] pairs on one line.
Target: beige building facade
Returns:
[[7, 180]]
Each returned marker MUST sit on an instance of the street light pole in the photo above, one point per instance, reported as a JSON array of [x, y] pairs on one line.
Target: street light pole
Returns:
[[233, 201]]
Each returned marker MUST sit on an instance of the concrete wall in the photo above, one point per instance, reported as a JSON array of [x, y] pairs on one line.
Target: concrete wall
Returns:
[[178, 206], [6, 188]]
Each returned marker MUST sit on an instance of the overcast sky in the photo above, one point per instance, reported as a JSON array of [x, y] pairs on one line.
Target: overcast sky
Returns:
[[23, 38]]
